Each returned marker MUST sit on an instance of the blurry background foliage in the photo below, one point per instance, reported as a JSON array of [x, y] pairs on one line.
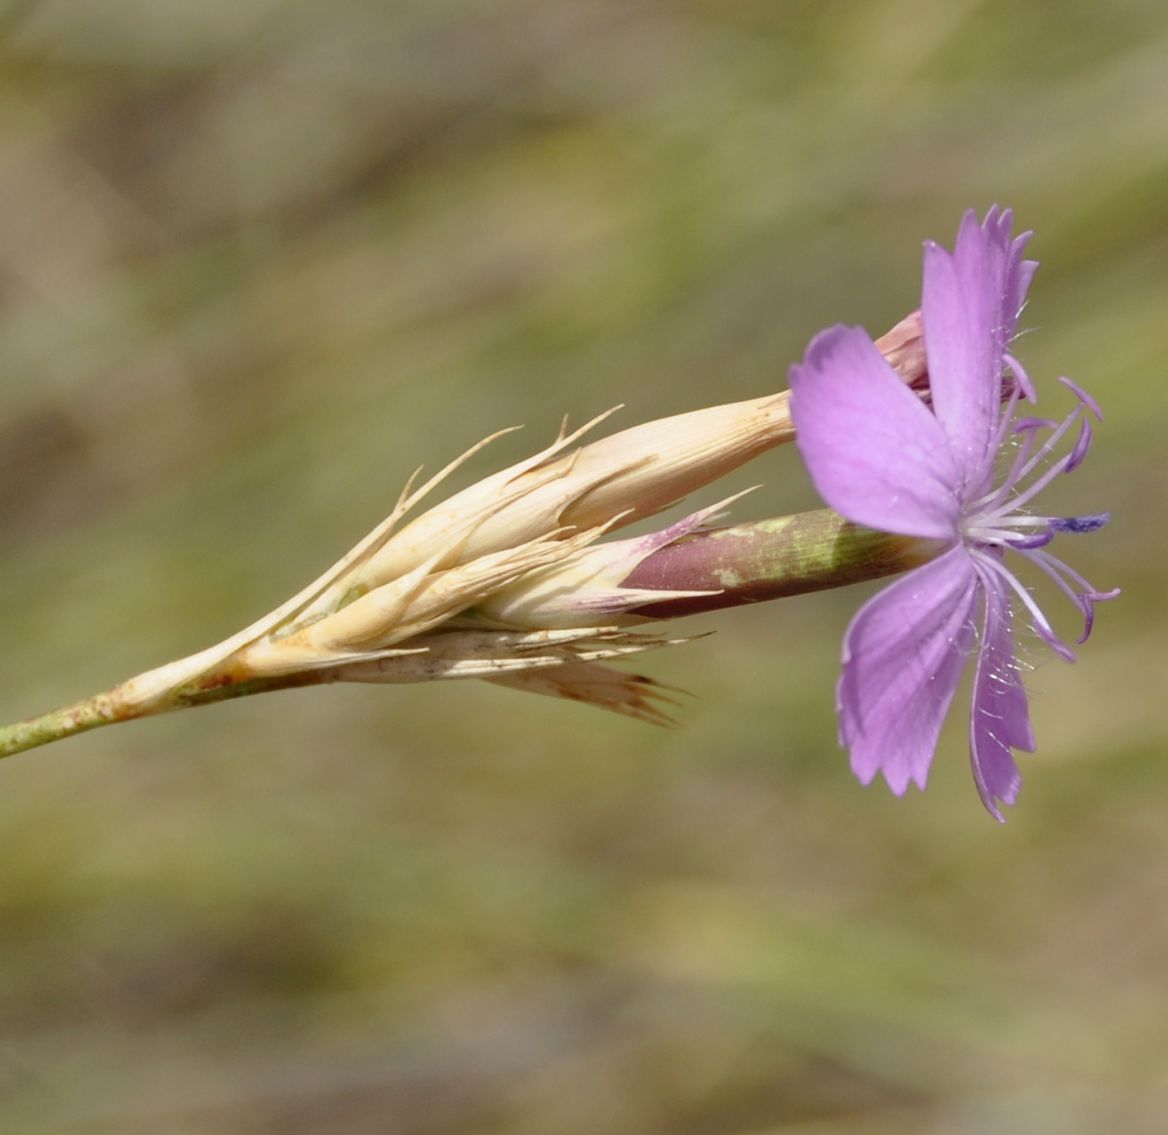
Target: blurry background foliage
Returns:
[[258, 260]]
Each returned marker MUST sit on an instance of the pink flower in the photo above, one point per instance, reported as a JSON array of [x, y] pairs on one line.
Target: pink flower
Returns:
[[882, 458]]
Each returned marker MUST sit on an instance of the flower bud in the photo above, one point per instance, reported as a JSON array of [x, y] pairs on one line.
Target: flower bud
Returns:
[[903, 348]]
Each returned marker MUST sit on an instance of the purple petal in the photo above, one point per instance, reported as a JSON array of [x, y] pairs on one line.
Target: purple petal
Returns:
[[1000, 719], [1017, 273], [960, 310], [903, 656], [970, 302], [875, 452]]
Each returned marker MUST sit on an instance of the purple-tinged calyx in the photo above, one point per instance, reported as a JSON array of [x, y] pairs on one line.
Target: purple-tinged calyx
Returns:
[[590, 588]]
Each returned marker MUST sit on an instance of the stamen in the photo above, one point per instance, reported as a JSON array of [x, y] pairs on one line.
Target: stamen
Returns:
[[1008, 537], [1042, 626], [996, 496], [1055, 437], [1014, 520], [1081, 446], [1029, 543], [1083, 397], [1085, 599], [1029, 427], [1087, 590], [1003, 424], [1028, 494], [1020, 376], [1007, 531], [1079, 524], [1056, 569], [1084, 584]]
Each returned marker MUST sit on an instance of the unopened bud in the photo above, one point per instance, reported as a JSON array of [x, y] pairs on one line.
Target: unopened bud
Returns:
[[903, 348]]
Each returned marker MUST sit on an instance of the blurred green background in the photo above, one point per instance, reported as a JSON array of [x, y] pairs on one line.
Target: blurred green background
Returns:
[[258, 260]]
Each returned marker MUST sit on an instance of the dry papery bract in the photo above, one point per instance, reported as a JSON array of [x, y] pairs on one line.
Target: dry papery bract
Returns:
[[399, 606]]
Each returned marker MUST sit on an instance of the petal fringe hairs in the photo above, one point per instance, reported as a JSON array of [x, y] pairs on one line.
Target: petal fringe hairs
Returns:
[[512, 581]]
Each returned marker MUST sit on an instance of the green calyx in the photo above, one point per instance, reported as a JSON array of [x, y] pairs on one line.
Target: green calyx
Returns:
[[772, 559]]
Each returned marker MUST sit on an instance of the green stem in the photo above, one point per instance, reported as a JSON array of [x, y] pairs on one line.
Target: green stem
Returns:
[[111, 707], [79, 718]]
